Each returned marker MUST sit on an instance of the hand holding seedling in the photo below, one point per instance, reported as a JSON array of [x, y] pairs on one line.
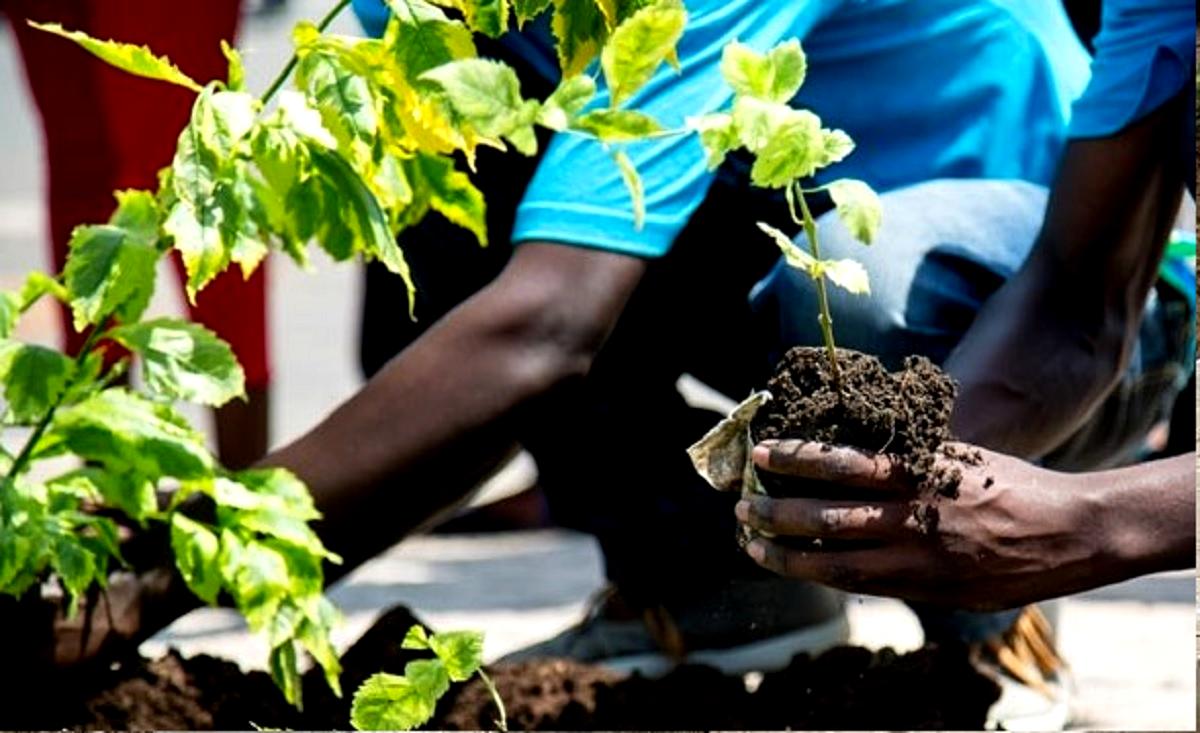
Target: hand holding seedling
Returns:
[[1015, 533]]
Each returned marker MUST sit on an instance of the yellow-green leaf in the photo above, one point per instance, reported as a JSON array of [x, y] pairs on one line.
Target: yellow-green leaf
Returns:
[[571, 96], [633, 182], [717, 134], [237, 70], [137, 60], [485, 96], [858, 207], [773, 77], [847, 274], [792, 253], [580, 29], [638, 45], [616, 125]]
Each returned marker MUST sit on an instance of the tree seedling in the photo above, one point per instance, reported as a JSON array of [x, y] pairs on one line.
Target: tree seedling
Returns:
[[790, 145], [403, 702]]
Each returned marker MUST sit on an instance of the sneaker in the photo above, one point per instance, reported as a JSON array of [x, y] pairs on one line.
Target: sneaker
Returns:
[[747, 626], [1035, 684]]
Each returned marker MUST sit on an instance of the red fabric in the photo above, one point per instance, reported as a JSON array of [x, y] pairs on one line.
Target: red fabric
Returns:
[[106, 130]]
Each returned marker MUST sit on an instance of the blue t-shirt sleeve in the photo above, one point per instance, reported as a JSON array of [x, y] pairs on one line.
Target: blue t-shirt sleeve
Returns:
[[577, 195], [372, 14], [1144, 56]]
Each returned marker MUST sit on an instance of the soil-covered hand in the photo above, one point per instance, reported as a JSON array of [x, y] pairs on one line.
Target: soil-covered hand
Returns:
[[1015, 534]]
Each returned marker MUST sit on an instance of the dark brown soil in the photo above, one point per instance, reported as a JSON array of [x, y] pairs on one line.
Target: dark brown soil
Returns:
[[846, 688], [905, 414]]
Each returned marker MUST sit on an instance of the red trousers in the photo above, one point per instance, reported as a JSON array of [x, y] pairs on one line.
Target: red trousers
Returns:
[[106, 130]]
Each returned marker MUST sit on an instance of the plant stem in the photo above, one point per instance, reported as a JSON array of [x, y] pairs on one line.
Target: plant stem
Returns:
[[26, 454], [810, 233], [502, 723], [291, 64]]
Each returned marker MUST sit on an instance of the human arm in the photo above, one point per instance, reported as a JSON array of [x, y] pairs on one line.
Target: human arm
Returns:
[[1015, 534], [1054, 340], [417, 437]]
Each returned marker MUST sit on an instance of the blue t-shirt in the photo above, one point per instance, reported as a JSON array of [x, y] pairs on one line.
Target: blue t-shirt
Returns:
[[929, 89], [1144, 56]]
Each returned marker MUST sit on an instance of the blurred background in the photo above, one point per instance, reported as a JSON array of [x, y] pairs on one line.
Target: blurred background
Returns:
[[1129, 645]]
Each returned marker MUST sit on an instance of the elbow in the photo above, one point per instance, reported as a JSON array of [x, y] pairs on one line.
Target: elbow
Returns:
[[543, 342]]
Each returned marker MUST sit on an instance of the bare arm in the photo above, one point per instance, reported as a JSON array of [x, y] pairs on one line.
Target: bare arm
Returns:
[[440, 415], [1051, 344]]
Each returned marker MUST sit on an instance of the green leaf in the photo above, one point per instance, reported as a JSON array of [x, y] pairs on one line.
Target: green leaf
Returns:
[[460, 651], [237, 70], [774, 77], [633, 182], [485, 96], [34, 378], [837, 145], [489, 17], [285, 670], [132, 494], [391, 702], [10, 313], [110, 268], [616, 125], [847, 274], [421, 37], [357, 215], [219, 123], [792, 253], [38, 284], [718, 135], [567, 101], [314, 636], [451, 193], [137, 60], [75, 566], [787, 142], [196, 548], [415, 638], [258, 581], [639, 45], [527, 10], [124, 431], [183, 360], [580, 29], [343, 97], [858, 207]]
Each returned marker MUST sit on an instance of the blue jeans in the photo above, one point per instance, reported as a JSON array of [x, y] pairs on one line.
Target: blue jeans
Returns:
[[944, 248]]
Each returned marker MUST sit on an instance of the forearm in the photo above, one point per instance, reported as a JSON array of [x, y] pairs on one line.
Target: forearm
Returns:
[[438, 417], [1051, 344], [1148, 516]]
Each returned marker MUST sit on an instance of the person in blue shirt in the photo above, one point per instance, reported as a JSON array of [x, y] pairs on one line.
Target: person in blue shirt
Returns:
[[930, 90]]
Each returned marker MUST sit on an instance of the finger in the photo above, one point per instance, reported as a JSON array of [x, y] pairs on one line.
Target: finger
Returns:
[[836, 464], [825, 519], [852, 570]]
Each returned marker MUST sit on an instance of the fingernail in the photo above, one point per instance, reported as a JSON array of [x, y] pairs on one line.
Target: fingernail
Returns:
[[756, 550], [762, 453], [742, 510]]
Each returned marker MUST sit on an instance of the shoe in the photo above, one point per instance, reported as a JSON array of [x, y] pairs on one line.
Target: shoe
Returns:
[[747, 626], [1035, 683]]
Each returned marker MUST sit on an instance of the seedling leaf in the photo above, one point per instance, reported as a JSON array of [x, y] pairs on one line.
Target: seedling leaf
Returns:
[[616, 125], [858, 207], [137, 60], [639, 45], [182, 360], [460, 651]]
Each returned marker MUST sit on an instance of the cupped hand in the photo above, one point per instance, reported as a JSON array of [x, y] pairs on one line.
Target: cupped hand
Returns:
[[1014, 534]]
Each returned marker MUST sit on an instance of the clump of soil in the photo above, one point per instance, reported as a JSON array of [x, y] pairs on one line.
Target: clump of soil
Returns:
[[845, 688], [905, 414]]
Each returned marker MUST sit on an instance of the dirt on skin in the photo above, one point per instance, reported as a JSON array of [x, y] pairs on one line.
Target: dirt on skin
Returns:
[[905, 414], [845, 688]]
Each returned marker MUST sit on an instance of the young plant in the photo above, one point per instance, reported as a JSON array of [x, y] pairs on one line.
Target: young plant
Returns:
[[362, 148], [789, 146], [402, 702]]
